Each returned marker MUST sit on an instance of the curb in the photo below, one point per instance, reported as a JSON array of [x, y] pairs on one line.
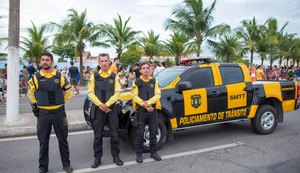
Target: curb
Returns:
[[31, 130]]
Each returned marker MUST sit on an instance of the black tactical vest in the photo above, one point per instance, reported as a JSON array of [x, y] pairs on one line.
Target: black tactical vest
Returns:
[[49, 92], [104, 87], [146, 89]]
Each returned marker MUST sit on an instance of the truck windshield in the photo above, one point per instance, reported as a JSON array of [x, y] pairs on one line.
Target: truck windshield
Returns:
[[166, 76]]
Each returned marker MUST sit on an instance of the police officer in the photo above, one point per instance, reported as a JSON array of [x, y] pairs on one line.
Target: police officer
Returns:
[[104, 91], [49, 90], [146, 94]]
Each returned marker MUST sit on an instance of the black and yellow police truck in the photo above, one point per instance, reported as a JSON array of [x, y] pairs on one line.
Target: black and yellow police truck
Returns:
[[211, 93]]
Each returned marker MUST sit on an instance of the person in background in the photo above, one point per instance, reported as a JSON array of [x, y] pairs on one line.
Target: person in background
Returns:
[[297, 72], [131, 76], [157, 68], [274, 74], [115, 65], [73, 73], [86, 76], [137, 70], [260, 75], [2, 98], [31, 70], [152, 68], [65, 72], [164, 65], [291, 74], [5, 71]]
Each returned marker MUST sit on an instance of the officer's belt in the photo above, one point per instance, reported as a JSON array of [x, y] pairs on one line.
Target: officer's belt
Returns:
[[52, 111]]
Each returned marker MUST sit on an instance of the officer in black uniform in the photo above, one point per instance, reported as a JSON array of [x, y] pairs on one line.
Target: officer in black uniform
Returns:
[[49, 90], [104, 90], [146, 94]]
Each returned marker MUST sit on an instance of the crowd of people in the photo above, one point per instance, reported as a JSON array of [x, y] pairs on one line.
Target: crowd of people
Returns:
[[128, 73], [290, 73]]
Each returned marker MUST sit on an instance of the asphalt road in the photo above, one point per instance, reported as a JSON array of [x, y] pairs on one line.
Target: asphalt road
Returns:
[[75, 103], [232, 147]]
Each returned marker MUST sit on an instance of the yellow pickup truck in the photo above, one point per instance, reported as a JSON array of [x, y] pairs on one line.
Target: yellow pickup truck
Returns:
[[211, 93]]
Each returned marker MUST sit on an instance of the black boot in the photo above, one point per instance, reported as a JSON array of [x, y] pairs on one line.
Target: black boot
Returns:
[[155, 156], [68, 169], [118, 161], [96, 163], [139, 158]]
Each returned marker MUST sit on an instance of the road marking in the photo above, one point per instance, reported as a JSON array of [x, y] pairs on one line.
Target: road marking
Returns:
[[166, 157], [52, 135]]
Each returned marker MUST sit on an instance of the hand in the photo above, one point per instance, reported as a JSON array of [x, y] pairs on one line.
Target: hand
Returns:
[[150, 109], [145, 105], [107, 110], [103, 107]]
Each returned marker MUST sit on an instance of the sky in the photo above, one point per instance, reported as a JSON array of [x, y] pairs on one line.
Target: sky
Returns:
[[150, 14]]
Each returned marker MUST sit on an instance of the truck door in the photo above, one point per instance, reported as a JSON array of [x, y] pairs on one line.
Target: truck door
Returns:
[[193, 104], [239, 92]]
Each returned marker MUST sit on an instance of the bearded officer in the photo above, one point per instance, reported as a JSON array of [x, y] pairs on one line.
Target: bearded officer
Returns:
[[49, 90], [104, 91], [146, 94]]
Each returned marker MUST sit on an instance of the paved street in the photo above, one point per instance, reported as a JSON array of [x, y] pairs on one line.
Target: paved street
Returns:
[[223, 148]]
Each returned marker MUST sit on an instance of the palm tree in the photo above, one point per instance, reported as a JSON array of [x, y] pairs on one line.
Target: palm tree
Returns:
[[151, 44], [273, 35], [195, 21], [261, 45], [249, 32], [228, 49], [119, 35], [77, 31], [177, 46], [296, 52], [35, 43], [289, 48]]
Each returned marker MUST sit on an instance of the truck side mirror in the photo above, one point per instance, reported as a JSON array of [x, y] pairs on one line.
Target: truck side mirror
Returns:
[[181, 86]]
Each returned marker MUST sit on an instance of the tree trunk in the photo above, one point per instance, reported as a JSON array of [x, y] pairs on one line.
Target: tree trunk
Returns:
[[119, 53], [287, 61], [177, 59], [12, 111], [262, 61], [271, 61], [81, 69], [280, 61], [251, 57], [199, 49]]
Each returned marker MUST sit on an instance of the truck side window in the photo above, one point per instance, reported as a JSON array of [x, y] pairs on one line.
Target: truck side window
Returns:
[[231, 75], [200, 78]]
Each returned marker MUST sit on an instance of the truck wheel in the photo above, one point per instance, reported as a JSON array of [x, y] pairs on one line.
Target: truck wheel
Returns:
[[161, 136], [265, 120]]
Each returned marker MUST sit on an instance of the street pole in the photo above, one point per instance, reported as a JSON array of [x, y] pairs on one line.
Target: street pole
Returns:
[[12, 106]]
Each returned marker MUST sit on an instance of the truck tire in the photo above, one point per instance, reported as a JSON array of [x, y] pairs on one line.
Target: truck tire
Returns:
[[265, 120], [161, 136]]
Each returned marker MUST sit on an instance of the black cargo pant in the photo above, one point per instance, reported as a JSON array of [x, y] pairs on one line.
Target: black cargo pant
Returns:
[[145, 118], [45, 121], [98, 127]]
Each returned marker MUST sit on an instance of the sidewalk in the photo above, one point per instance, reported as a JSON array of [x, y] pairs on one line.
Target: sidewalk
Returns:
[[27, 123]]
